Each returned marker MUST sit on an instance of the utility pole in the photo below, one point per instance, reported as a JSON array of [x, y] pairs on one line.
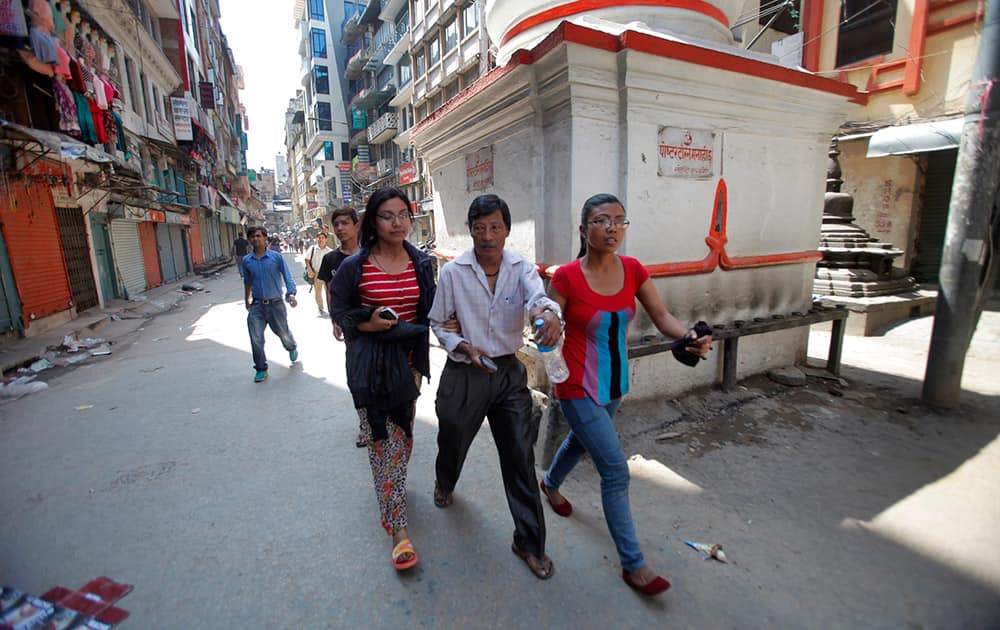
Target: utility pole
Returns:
[[969, 261]]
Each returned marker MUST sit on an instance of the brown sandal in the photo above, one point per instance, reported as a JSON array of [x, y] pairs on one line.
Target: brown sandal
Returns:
[[541, 567]]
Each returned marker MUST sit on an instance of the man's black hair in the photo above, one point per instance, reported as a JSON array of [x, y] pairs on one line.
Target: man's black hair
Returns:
[[484, 205]]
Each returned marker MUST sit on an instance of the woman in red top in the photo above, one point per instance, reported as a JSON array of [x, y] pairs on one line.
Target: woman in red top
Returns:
[[597, 294]]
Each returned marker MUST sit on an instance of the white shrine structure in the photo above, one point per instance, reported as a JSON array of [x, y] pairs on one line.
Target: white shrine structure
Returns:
[[719, 156]]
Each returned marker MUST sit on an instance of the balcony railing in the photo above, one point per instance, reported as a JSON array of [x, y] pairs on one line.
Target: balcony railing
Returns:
[[356, 64], [384, 167], [384, 128], [351, 28]]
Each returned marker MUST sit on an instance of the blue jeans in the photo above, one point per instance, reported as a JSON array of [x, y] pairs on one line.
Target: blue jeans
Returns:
[[593, 432], [259, 318]]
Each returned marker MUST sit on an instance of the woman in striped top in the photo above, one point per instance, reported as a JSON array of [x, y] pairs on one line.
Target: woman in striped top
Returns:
[[597, 294], [380, 297]]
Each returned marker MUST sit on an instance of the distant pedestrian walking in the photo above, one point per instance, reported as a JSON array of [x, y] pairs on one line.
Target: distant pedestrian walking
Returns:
[[241, 247], [314, 259], [263, 272], [381, 297]]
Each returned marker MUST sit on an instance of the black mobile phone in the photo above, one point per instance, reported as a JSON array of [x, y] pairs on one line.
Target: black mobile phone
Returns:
[[388, 313], [488, 363]]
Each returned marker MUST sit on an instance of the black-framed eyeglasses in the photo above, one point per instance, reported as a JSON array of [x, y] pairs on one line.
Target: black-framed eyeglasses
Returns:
[[606, 222], [403, 217]]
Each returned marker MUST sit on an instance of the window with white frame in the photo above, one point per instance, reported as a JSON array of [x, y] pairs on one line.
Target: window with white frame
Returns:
[[450, 35], [470, 19], [434, 51], [419, 64]]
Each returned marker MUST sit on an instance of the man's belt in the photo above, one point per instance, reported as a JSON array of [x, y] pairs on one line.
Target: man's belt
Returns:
[[269, 301]]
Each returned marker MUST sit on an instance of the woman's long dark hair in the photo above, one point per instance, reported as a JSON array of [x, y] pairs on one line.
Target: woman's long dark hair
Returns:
[[588, 206], [369, 235]]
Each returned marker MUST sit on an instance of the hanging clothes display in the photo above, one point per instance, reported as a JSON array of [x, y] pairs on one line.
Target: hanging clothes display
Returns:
[[43, 46], [86, 120], [98, 117], [65, 107]]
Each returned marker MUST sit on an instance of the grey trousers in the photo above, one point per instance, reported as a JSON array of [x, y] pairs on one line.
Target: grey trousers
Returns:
[[467, 395]]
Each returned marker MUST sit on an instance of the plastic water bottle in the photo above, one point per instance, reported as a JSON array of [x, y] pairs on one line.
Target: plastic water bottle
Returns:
[[552, 358]]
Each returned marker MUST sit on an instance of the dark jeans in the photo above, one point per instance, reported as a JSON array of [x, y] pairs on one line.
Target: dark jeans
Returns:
[[465, 396], [259, 318]]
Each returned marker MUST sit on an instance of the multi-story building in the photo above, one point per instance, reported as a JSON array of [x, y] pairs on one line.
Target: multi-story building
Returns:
[[265, 184], [449, 47], [280, 177], [118, 163], [405, 59], [323, 122], [298, 176]]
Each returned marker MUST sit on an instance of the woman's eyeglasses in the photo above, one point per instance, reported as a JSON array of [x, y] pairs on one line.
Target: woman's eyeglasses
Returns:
[[402, 217], [606, 222]]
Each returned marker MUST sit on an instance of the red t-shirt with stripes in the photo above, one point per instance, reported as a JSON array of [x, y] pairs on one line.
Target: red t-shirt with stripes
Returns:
[[400, 292]]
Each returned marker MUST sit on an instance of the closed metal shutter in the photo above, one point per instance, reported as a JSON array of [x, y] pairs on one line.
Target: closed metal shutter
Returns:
[[76, 250], [178, 246], [129, 262], [166, 253], [214, 231], [206, 237], [934, 217]]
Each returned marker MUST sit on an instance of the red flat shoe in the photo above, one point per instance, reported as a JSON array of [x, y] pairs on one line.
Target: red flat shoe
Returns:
[[649, 589], [563, 509]]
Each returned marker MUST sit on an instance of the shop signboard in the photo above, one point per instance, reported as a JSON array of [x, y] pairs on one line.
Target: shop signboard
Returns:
[[206, 90], [687, 153], [182, 118], [177, 218], [345, 188], [407, 173]]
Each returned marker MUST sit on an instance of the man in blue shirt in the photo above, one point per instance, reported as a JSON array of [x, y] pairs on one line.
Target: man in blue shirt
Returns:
[[263, 272]]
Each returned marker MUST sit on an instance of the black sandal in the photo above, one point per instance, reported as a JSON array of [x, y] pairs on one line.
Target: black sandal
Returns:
[[441, 498]]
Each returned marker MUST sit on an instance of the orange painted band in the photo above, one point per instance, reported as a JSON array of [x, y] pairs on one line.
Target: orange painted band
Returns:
[[582, 6]]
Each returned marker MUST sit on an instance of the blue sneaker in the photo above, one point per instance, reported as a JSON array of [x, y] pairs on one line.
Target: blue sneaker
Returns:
[[260, 376], [293, 355]]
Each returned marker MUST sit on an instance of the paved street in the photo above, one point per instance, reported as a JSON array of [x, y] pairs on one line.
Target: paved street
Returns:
[[232, 504]]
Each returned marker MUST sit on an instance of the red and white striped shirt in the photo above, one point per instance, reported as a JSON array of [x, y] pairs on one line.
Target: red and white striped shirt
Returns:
[[400, 292]]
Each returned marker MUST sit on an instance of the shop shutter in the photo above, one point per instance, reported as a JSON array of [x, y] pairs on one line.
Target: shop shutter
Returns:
[[934, 217], [76, 250], [129, 262], [10, 304], [166, 252], [178, 245], [206, 236]]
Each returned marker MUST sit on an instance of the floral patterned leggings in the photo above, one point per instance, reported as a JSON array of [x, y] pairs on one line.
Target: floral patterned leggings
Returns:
[[389, 459]]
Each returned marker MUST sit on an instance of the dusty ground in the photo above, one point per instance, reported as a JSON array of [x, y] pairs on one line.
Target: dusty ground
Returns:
[[230, 504], [843, 503]]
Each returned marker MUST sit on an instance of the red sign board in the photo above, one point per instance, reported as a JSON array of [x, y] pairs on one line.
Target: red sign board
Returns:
[[206, 91], [407, 173], [156, 215], [344, 167]]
